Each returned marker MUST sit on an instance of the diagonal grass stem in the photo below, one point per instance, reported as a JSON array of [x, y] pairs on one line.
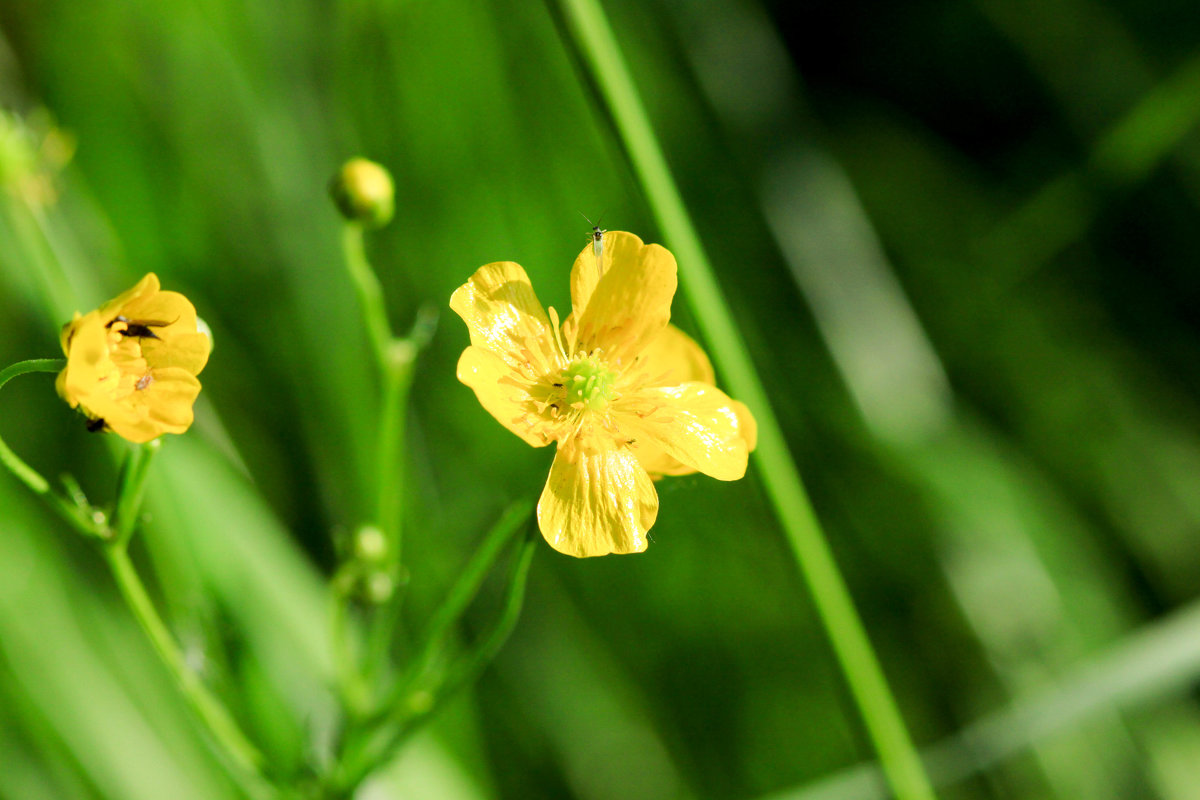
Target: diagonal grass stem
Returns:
[[587, 30]]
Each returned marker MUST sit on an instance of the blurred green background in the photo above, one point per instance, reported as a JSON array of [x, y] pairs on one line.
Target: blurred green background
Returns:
[[959, 236]]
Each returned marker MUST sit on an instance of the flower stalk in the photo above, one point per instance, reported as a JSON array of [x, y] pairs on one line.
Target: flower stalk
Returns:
[[424, 689], [25, 473], [470, 579], [114, 535], [589, 33], [74, 509], [131, 488], [244, 759], [370, 294]]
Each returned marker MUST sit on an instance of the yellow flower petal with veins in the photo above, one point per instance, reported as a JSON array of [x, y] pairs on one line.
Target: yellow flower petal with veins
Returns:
[[626, 396], [673, 357], [597, 502], [505, 398], [693, 423], [132, 363]]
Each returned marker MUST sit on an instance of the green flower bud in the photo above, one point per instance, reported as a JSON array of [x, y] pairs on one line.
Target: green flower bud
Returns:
[[363, 191], [379, 587], [370, 545]]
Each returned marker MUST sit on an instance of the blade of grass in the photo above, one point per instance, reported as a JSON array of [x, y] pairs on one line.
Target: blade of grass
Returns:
[[588, 31]]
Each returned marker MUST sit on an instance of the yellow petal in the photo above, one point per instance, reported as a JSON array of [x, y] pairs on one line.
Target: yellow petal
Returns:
[[596, 502], [186, 350], [147, 287], [502, 395], [586, 272], [628, 306], [695, 424], [747, 424], [656, 461], [68, 333], [90, 369], [674, 357], [164, 405], [162, 310], [503, 315]]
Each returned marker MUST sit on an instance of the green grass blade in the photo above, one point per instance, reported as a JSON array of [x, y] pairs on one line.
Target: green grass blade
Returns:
[[589, 31]]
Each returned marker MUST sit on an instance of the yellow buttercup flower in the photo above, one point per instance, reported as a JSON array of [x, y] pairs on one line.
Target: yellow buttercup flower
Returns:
[[624, 394], [132, 363]]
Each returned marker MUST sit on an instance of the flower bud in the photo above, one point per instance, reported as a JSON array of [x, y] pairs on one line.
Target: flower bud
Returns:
[[370, 545], [363, 191], [379, 587]]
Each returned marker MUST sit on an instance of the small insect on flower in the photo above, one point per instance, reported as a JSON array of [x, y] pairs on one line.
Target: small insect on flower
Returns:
[[138, 330], [129, 370], [626, 396], [597, 237]]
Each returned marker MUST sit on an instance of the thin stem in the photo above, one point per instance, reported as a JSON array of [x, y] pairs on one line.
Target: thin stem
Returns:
[[461, 594], [510, 612], [417, 704], [131, 487], [395, 359], [590, 33], [244, 756], [82, 517], [27, 474], [390, 473], [350, 682], [370, 293]]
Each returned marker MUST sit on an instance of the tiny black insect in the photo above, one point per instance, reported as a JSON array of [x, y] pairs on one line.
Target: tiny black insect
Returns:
[[139, 330], [95, 425]]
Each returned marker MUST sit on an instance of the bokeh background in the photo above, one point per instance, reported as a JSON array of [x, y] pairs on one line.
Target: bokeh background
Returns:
[[959, 236]]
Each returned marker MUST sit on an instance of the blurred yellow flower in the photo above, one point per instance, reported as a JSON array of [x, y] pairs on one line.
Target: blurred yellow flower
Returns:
[[624, 394], [132, 363]]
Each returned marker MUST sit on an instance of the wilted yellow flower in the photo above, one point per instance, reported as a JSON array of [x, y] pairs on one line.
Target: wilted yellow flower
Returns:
[[132, 363], [624, 394]]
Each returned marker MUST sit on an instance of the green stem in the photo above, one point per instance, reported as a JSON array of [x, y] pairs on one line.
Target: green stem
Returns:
[[83, 518], [591, 34], [224, 730], [131, 487], [470, 667], [27, 474], [395, 359], [390, 473], [393, 477], [353, 688], [461, 594], [415, 704], [243, 756], [370, 293]]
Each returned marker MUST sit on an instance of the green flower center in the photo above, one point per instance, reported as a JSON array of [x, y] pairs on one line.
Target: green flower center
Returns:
[[589, 383]]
